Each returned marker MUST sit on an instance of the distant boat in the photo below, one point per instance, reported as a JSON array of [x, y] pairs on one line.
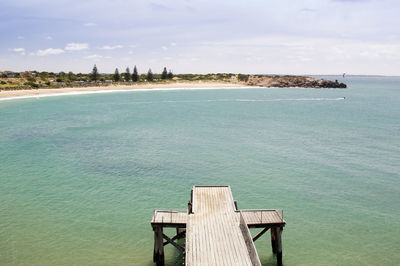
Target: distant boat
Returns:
[[344, 74]]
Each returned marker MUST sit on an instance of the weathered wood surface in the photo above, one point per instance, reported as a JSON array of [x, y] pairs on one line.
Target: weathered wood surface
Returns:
[[262, 218], [168, 218], [214, 235], [251, 248]]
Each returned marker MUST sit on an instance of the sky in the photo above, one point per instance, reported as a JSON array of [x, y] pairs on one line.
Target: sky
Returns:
[[202, 36]]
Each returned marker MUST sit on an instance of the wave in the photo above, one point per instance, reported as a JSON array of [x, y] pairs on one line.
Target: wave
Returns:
[[241, 100], [295, 99]]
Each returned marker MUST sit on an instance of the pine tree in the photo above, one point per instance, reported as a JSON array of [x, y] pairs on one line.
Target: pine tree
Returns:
[[170, 75], [149, 75], [127, 74], [71, 76], [164, 74], [116, 76], [135, 75], [95, 74]]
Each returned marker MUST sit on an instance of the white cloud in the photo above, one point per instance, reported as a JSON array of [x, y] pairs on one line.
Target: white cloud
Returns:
[[49, 38], [90, 24], [49, 51], [21, 51], [76, 46], [96, 57], [20, 37], [133, 46], [165, 48], [173, 43], [108, 47]]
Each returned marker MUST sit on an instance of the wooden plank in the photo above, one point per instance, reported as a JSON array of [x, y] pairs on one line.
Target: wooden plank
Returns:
[[263, 218], [214, 236], [177, 236], [249, 242], [260, 234], [170, 218]]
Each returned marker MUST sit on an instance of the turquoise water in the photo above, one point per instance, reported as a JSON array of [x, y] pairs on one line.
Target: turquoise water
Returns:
[[81, 175]]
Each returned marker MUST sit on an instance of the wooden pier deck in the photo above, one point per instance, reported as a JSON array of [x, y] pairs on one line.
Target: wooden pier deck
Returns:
[[216, 232], [213, 229]]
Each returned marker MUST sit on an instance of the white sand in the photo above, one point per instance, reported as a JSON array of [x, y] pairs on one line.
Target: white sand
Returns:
[[21, 94]]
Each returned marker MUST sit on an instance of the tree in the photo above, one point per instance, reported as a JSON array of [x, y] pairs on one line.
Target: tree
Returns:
[[127, 74], [116, 76], [242, 77], [170, 75], [135, 76], [71, 76], [164, 74], [95, 74], [149, 75]]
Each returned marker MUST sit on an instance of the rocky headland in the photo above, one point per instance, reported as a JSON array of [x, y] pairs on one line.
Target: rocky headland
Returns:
[[293, 81]]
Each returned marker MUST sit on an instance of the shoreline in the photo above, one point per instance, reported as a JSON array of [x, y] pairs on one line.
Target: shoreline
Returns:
[[34, 93]]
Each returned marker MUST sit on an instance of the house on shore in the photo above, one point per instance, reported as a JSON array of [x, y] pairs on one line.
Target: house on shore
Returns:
[[26, 74], [7, 73]]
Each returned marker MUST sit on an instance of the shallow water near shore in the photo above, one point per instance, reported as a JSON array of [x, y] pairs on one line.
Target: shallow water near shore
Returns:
[[81, 175]]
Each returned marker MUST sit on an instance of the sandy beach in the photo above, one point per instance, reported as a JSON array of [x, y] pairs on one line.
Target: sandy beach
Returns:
[[13, 94]]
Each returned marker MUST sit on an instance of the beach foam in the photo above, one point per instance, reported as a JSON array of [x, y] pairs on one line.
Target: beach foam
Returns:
[[73, 93]]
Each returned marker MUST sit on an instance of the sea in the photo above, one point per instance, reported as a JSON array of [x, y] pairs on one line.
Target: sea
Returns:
[[80, 175]]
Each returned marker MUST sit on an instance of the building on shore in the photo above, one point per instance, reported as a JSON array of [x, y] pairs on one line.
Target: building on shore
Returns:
[[26, 74], [7, 73]]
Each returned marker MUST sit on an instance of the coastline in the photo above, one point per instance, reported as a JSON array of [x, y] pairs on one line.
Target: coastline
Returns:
[[45, 92]]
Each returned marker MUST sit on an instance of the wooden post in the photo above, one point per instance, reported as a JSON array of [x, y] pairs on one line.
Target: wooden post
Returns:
[[158, 254], [273, 240], [279, 245], [180, 230], [190, 207]]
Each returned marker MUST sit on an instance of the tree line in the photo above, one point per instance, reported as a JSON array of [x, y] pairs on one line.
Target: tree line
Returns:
[[134, 76]]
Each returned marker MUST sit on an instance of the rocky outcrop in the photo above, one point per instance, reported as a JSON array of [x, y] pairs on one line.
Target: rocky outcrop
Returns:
[[293, 81]]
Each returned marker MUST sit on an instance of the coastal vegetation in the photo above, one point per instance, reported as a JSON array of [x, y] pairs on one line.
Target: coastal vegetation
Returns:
[[116, 76], [95, 74], [150, 76], [35, 79]]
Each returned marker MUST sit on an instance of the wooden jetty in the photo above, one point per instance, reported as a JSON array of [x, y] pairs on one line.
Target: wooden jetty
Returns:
[[216, 232]]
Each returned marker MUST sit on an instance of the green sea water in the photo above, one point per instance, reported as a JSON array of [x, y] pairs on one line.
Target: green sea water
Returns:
[[81, 175]]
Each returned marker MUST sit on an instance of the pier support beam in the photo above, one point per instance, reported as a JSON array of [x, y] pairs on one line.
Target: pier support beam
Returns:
[[276, 243], [273, 240], [179, 232], [158, 254]]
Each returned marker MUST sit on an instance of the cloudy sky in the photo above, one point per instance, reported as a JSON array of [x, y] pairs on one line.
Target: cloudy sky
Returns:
[[202, 36]]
